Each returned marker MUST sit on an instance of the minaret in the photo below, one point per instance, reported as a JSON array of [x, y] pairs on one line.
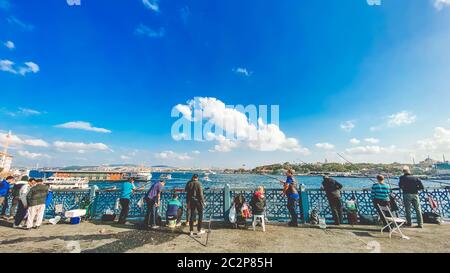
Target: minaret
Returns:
[[5, 148]]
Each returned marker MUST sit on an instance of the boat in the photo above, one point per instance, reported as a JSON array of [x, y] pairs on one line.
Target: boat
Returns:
[[67, 183], [165, 176], [138, 176]]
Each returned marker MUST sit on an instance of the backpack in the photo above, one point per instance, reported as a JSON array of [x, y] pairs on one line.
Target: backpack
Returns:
[[314, 217], [432, 218]]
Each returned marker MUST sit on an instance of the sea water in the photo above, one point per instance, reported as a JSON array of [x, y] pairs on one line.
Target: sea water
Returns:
[[250, 181]]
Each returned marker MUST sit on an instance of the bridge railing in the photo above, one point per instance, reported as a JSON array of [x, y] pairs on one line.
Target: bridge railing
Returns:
[[219, 200]]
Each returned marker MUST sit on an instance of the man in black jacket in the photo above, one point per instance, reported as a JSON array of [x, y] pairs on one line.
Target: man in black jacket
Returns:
[[332, 189], [195, 203], [411, 186]]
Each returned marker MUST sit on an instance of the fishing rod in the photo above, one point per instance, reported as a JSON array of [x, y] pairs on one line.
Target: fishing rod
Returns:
[[269, 176], [366, 175]]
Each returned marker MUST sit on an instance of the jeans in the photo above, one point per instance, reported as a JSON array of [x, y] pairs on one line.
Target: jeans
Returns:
[[125, 204], [195, 207], [382, 203], [21, 213], [412, 199], [292, 207], [14, 204], [336, 209], [178, 216], [4, 204], [151, 218]]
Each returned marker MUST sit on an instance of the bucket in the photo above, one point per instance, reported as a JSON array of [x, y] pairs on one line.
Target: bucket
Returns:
[[172, 223], [75, 220]]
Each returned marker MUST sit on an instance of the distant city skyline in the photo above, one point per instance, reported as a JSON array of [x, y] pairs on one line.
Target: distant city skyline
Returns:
[[97, 83]]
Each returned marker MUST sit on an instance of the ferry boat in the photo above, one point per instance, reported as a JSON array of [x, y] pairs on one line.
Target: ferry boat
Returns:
[[67, 183], [165, 176], [138, 176]]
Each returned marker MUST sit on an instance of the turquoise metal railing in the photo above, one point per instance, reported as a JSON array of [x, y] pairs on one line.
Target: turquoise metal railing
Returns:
[[219, 200]]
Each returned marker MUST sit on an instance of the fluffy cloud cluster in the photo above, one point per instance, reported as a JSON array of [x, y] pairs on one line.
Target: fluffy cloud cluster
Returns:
[[325, 146], [401, 118], [80, 147], [17, 141], [172, 155], [440, 142], [370, 149], [348, 126], [82, 125], [9, 45], [242, 71], [30, 155], [9, 66], [233, 129], [440, 4]]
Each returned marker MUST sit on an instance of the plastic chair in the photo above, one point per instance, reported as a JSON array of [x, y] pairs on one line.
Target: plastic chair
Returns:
[[262, 219]]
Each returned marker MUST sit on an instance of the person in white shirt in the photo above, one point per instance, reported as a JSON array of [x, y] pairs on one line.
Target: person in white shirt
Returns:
[[23, 206]]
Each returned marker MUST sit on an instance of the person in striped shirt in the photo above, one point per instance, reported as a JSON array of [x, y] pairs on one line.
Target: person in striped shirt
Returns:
[[381, 196]]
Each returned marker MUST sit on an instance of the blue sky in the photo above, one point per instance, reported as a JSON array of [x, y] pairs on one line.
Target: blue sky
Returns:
[[112, 71]]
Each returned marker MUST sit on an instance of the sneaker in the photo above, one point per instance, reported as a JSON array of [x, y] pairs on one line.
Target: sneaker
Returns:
[[191, 234], [178, 225], [17, 226], [36, 227], [155, 227], [201, 232]]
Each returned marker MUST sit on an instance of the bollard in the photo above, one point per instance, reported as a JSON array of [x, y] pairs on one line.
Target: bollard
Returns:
[[227, 197]]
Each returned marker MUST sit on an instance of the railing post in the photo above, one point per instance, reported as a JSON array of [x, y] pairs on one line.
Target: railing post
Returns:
[[93, 200], [227, 198], [304, 204]]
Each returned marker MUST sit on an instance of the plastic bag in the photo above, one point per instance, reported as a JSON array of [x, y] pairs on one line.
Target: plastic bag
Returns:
[[117, 205], [140, 204], [232, 216]]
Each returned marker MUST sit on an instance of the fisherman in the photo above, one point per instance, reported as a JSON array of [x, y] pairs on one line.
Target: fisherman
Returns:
[[381, 196], [174, 210], [153, 200], [5, 187], [15, 197], [333, 189], [23, 205], [411, 186], [290, 190], [196, 201], [127, 191], [36, 199]]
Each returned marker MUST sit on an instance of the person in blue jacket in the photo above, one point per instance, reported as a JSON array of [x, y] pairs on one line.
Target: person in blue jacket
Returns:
[[5, 187]]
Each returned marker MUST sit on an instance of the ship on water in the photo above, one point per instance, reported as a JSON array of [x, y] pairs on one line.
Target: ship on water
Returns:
[[67, 183], [95, 175]]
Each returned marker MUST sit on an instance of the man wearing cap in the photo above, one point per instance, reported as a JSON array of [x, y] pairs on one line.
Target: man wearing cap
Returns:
[[290, 189], [411, 186]]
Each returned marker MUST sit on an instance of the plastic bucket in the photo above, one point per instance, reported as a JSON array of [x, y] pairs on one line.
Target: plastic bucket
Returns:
[[75, 220]]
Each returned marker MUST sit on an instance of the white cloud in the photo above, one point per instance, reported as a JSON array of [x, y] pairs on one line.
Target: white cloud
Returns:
[[196, 152], [355, 141], [401, 118], [365, 150], [236, 130], [16, 140], [30, 155], [348, 126], [29, 67], [9, 45], [149, 32], [21, 112], [440, 142], [23, 26], [36, 143], [80, 147], [172, 155], [325, 146], [372, 140], [242, 71], [9, 66], [82, 125], [440, 4], [125, 157], [152, 5]]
